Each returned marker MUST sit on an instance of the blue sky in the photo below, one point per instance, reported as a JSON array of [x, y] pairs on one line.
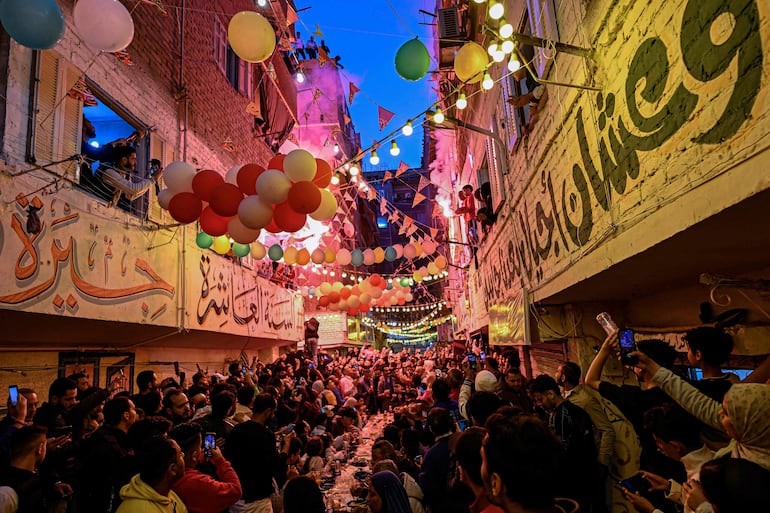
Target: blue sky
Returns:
[[366, 35]]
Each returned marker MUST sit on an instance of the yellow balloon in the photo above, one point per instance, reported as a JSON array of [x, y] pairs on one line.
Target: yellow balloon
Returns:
[[440, 261], [432, 268], [470, 62], [303, 256], [325, 288], [290, 255], [329, 256], [251, 36], [328, 207], [258, 250], [337, 286], [221, 244], [416, 276], [379, 255]]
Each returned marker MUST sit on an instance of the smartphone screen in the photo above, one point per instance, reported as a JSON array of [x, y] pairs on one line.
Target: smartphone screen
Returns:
[[289, 429], [462, 424], [483, 356], [627, 346], [626, 483], [472, 361], [310, 366], [209, 443], [13, 392]]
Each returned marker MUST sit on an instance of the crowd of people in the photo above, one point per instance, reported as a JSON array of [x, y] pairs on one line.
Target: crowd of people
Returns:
[[469, 433]]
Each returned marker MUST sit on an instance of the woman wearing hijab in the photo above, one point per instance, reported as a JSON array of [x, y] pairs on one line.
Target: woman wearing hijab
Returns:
[[387, 494], [734, 485]]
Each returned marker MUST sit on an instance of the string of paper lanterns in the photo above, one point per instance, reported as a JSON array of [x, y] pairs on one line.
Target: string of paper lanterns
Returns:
[[374, 290]]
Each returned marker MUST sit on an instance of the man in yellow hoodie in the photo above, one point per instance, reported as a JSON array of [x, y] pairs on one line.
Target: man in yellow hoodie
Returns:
[[161, 463]]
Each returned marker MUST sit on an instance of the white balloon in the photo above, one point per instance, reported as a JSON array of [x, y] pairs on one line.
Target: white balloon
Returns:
[[273, 186], [178, 176], [164, 198], [232, 174], [104, 24], [254, 213]]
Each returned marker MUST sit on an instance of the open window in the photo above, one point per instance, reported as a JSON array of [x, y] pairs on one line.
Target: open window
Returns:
[[239, 73], [542, 22]]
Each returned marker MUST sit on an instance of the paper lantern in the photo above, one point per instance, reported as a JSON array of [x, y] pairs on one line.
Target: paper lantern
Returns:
[[185, 207], [470, 62], [368, 257], [399, 250], [204, 240], [303, 257], [246, 178], [240, 233], [287, 219], [240, 250], [328, 207], [412, 60], [329, 256], [254, 213], [232, 174], [343, 256], [36, 24], [379, 255], [433, 268], [304, 197], [178, 177], [164, 198], [225, 199], [275, 252], [290, 255], [273, 186], [204, 182], [251, 36], [318, 256], [258, 250], [410, 251], [212, 223], [105, 25], [276, 162], [221, 245], [323, 173], [440, 262], [299, 165], [390, 254], [356, 257]]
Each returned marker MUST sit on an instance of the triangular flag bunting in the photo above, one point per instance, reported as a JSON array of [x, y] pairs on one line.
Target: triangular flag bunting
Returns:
[[411, 230], [291, 16], [433, 233], [123, 57], [388, 175], [383, 116], [228, 145], [158, 5], [402, 230], [318, 31], [418, 198], [424, 182], [371, 194], [436, 210], [347, 119], [348, 197], [402, 167], [408, 221], [352, 90], [383, 207], [316, 94], [82, 93], [271, 71]]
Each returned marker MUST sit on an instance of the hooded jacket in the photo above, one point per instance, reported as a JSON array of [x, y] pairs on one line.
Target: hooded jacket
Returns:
[[139, 497]]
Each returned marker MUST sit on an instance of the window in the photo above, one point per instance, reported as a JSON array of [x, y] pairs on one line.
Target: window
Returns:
[[542, 20], [220, 43], [496, 166], [239, 73]]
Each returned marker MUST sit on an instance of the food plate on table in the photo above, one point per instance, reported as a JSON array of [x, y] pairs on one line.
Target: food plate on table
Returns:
[[357, 503], [362, 474], [359, 463]]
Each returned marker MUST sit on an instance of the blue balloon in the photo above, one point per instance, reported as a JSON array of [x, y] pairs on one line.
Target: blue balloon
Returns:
[[356, 257], [390, 253], [311, 291], [36, 24]]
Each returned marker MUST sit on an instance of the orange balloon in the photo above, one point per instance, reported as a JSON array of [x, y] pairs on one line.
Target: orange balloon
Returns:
[[345, 293], [276, 162], [334, 297], [304, 197], [323, 301], [323, 173]]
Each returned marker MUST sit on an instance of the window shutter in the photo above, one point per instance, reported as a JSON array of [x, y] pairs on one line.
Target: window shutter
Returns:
[[161, 150], [45, 120], [72, 123]]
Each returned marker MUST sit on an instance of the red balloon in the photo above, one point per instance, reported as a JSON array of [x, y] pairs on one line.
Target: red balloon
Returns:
[[344, 293], [287, 219], [225, 200], [247, 178], [204, 182], [323, 301], [272, 227], [185, 207], [212, 223], [375, 279], [304, 197], [352, 311], [401, 301], [323, 173], [365, 307], [276, 162], [334, 297]]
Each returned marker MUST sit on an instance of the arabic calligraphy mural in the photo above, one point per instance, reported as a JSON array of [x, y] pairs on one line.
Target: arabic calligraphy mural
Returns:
[[689, 106], [55, 257]]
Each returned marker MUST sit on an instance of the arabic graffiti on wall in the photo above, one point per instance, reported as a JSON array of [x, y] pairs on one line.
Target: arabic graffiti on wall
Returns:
[[683, 101], [56, 260]]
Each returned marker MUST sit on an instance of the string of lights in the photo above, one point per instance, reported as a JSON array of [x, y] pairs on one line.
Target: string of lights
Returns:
[[413, 308]]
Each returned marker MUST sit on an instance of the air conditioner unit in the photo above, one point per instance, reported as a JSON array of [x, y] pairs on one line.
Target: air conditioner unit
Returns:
[[449, 24]]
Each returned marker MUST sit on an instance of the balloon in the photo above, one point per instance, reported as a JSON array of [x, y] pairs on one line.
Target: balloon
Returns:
[[365, 307], [273, 186], [304, 197], [376, 292], [178, 176], [272, 227], [328, 207], [258, 250], [355, 290], [354, 302], [254, 213], [365, 298], [375, 280], [440, 261], [349, 229], [104, 24], [429, 247], [356, 257], [433, 268], [290, 255], [343, 256], [368, 257], [337, 286], [275, 252], [276, 162], [225, 199], [390, 254], [232, 174], [345, 292], [417, 277], [36, 24], [318, 256], [287, 219], [379, 255], [334, 296], [240, 250], [240, 233], [251, 36], [329, 256], [424, 272], [221, 245], [352, 311], [323, 301], [404, 282], [399, 250], [204, 182], [410, 251], [418, 248], [470, 62], [164, 196], [204, 240], [212, 223], [412, 60], [246, 179], [299, 165], [323, 173], [325, 288], [303, 257], [311, 291], [185, 207]]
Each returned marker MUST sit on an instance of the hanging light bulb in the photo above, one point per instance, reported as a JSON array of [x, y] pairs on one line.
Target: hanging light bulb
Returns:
[[353, 170], [479, 1], [300, 77], [438, 117], [407, 129], [499, 56], [462, 102], [374, 159], [347, 166], [262, 3], [487, 83], [394, 149], [496, 10], [513, 64], [506, 29], [335, 180], [508, 46], [336, 148], [491, 49]]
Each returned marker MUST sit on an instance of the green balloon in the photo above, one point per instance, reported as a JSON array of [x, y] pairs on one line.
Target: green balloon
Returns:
[[404, 282], [204, 240], [240, 250], [275, 252], [412, 60]]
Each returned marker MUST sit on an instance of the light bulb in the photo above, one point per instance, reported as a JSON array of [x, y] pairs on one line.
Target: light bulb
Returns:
[[394, 149], [300, 77], [438, 117], [491, 49], [335, 180], [506, 29], [513, 64], [496, 10], [347, 166], [407, 129], [336, 149], [508, 46], [462, 102], [262, 3], [499, 56], [487, 83], [479, 1], [354, 169], [374, 159]]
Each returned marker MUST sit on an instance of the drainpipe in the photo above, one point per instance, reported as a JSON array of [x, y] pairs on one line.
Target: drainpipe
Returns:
[[185, 113]]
